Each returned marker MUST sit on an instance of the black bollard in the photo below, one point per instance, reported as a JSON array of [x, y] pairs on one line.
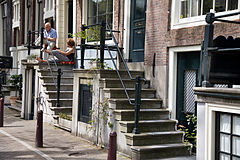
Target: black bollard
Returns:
[[39, 130], [1, 112], [112, 150]]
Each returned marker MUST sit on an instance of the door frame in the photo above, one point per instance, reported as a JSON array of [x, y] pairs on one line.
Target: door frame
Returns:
[[172, 75]]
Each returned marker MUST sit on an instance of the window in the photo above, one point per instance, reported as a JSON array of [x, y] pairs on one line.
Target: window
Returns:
[[100, 10], [16, 15], [4, 10], [85, 103], [227, 136], [191, 8], [49, 9]]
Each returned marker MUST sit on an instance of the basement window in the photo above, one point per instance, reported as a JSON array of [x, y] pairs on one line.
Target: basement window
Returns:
[[227, 136], [85, 103]]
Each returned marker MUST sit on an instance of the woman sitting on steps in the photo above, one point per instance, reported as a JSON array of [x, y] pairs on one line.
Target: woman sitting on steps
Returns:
[[67, 55]]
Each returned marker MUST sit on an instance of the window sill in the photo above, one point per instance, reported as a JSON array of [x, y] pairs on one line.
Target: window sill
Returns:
[[200, 20]]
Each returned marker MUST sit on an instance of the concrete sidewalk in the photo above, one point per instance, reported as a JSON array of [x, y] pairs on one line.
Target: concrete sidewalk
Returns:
[[17, 141]]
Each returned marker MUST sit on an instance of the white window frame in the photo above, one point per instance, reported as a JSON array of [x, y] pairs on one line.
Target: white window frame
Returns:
[[84, 18], [49, 9], [16, 14], [177, 23]]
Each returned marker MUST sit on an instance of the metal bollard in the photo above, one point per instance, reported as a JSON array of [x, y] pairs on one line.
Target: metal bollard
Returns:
[[1, 111], [112, 150], [39, 130]]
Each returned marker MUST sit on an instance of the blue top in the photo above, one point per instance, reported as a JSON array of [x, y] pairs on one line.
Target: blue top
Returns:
[[51, 34]]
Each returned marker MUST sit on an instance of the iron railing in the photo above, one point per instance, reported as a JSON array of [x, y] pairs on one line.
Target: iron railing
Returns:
[[105, 27]]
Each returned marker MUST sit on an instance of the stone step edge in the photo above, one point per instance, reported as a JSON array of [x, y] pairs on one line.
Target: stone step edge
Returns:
[[141, 110], [49, 92], [156, 147], [152, 134], [59, 108], [149, 121]]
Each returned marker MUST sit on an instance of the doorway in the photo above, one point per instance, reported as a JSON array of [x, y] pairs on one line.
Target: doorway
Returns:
[[187, 78], [137, 30]]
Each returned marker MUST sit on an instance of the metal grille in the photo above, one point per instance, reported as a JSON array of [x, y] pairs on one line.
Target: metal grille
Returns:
[[189, 83], [220, 86]]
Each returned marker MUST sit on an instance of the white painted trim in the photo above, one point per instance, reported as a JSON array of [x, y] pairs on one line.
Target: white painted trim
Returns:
[[126, 37], [177, 23], [172, 88], [1, 31], [210, 125]]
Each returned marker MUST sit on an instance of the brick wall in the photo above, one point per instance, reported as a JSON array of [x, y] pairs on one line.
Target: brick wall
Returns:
[[159, 37]]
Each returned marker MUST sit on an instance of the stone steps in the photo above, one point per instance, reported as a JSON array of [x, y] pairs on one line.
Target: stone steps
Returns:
[[154, 138], [64, 80], [149, 126], [120, 93], [46, 72], [146, 103], [144, 114], [116, 83], [123, 73], [160, 151], [63, 94], [63, 102], [57, 110], [64, 87]]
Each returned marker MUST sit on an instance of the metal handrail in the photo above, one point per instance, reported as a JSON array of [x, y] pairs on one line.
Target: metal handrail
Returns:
[[119, 51]]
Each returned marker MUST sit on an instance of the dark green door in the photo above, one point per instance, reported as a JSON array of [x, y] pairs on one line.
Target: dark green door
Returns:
[[137, 33], [187, 78]]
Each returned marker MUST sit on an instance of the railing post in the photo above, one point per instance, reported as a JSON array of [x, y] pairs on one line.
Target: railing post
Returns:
[[137, 103], [41, 44], [1, 111], [20, 87], [39, 129], [208, 42], [58, 86], [102, 43], [29, 42], [83, 28]]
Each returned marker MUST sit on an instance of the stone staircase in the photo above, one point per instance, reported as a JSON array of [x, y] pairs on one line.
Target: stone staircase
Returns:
[[158, 136], [50, 91]]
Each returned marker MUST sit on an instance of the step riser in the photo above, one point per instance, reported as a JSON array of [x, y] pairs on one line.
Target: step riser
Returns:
[[127, 84], [53, 67], [161, 153], [65, 74], [154, 140], [62, 103], [121, 94], [62, 95], [124, 75], [154, 127], [144, 105], [63, 80], [129, 116], [62, 88]]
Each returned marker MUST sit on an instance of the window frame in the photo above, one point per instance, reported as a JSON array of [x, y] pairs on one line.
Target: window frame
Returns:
[[218, 132], [177, 22], [16, 14], [49, 9]]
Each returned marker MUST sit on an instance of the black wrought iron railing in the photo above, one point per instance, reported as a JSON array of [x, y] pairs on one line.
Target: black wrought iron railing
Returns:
[[104, 28]]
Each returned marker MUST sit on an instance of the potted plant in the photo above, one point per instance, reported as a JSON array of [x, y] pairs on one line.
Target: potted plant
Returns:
[[32, 58], [91, 35], [14, 81]]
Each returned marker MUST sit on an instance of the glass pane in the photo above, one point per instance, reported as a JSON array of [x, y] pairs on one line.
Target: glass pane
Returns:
[[224, 157], [207, 5], [225, 123], [195, 9], [184, 9], [110, 6], [236, 145], [102, 7], [235, 158], [140, 9], [236, 125], [92, 8], [232, 4], [225, 143], [92, 20], [220, 5]]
